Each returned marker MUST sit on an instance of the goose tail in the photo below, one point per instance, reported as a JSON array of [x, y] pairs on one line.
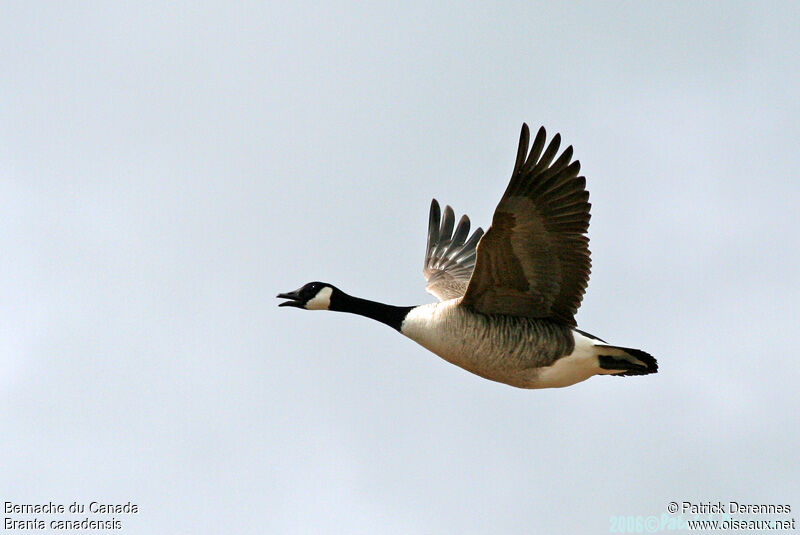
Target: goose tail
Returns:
[[624, 361]]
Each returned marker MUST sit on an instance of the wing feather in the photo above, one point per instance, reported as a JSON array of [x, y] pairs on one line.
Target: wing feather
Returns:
[[534, 260], [450, 255]]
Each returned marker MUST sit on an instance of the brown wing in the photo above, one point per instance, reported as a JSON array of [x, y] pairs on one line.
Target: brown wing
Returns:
[[534, 260]]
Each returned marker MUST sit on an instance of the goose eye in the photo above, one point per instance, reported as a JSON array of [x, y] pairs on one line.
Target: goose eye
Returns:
[[312, 289]]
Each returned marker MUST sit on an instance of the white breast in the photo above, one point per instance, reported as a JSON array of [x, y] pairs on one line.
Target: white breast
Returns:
[[468, 341], [435, 327]]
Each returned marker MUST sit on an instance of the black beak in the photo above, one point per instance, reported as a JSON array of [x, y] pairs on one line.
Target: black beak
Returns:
[[294, 300]]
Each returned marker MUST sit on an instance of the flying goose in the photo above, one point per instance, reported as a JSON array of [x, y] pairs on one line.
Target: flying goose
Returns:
[[507, 298]]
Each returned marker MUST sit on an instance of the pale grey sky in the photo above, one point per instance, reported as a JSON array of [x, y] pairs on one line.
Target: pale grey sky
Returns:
[[165, 170]]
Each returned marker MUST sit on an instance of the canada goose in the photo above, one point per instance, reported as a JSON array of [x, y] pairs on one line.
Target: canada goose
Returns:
[[507, 298]]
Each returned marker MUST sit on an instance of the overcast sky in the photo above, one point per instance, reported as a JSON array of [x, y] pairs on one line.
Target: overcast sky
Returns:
[[165, 170]]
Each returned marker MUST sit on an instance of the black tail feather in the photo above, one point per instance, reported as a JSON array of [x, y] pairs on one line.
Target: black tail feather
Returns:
[[618, 359]]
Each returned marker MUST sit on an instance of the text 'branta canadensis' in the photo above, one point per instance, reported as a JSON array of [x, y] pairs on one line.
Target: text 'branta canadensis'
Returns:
[[507, 298]]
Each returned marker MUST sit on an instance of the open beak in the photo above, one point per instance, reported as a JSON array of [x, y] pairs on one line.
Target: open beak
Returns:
[[293, 300]]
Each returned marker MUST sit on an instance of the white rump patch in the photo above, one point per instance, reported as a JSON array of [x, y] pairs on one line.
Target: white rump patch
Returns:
[[321, 301], [573, 368]]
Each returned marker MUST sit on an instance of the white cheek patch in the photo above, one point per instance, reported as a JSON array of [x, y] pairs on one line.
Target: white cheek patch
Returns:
[[321, 301]]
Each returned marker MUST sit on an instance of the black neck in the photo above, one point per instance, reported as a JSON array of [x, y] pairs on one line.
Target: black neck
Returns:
[[389, 314]]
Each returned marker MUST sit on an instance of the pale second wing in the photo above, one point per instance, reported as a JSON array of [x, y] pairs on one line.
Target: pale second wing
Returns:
[[450, 256]]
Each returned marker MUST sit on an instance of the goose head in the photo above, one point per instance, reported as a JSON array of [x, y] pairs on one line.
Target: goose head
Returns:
[[311, 296]]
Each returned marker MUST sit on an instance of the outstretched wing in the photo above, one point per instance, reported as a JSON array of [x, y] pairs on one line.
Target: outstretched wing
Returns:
[[534, 259], [450, 256]]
